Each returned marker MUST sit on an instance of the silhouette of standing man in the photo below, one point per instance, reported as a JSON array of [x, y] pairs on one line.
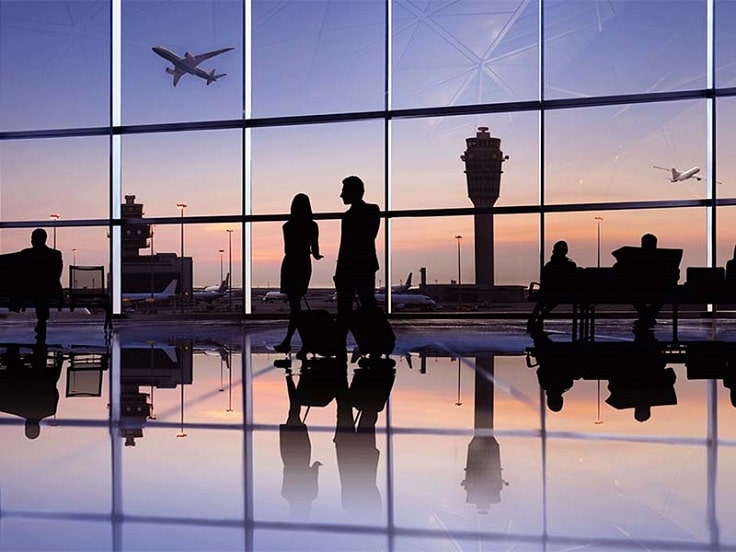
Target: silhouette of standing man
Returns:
[[44, 273], [357, 262]]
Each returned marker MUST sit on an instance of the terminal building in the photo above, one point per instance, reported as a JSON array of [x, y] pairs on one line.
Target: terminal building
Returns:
[[152, 272]]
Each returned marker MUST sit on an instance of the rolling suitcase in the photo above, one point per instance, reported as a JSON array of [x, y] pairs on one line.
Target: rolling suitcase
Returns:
[[372, 331], [318, 332]]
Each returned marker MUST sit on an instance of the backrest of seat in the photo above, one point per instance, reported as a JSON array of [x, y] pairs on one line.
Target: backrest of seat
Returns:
[[86, 281]]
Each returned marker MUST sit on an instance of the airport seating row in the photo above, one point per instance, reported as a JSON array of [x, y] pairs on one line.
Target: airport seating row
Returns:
[[20, 287], [586, 288]]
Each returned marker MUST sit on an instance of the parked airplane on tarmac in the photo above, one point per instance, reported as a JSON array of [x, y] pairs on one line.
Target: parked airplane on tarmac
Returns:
[[408, 300], [401, 288], [188, 64], [212, 292], [272, 296], [167, 293]]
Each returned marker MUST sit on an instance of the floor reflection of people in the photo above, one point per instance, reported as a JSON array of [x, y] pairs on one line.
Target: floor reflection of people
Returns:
[[557, 371], [28, 386], [300, 477], [355, 435]]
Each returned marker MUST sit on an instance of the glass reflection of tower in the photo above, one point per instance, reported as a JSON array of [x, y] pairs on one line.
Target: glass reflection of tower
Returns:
[[483, 158]]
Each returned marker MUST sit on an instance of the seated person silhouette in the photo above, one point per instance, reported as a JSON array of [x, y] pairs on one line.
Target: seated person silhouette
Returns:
[[557, 276], [646, 272], [731, 270], [43, 282]]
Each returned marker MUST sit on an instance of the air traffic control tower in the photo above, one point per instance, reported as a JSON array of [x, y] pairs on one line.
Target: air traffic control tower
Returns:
[[483, 158]]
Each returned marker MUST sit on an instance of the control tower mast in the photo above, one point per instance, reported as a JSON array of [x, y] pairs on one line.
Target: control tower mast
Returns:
[[483, 158]]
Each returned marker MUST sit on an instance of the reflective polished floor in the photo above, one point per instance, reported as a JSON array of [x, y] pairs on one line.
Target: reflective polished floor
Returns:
[[473, 436]]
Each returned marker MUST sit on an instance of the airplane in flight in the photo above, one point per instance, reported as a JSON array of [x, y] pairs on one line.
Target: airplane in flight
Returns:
[[189, 63], [679, 176], [212, 292], [167, 293]]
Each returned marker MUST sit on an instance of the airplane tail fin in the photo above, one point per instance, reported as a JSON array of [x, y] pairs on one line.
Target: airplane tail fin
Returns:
[[212, 77], [675, 175], [225, 284], [171, 288], [408, 281]]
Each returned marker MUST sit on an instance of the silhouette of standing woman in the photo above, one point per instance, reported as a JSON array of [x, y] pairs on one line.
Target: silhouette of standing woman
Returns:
[[301, 239]]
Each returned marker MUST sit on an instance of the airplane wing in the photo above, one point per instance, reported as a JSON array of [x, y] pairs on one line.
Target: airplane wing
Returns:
[[201, 57], [176, 72]]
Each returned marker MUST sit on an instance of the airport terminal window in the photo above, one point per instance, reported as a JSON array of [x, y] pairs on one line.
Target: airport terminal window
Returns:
[[64, 176], [153, 90], [200, 169], [517, 250], [625, 153], [683, 228], [317, 56], [54, 64], [725, 43], [267, 254], [621, 47], [726, 234], [452, 67], [725, 138], [427, 167], [313, 159], [464, 53]]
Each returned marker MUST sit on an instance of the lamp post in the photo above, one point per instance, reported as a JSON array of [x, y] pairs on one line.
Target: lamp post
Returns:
[[181, 206], [230, 264], [74, 256], [54, 217], [221, 252], [459, 272], [598, 241]]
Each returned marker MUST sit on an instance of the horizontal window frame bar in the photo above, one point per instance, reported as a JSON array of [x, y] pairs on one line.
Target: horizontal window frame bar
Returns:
[[504, 210], [409, 113]]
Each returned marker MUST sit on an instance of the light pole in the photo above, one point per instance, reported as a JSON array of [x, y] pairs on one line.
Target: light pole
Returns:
[[459, 272], [221, 252], [54, 217], [74, 256], [598, 221], [181, 206], [230, 263]]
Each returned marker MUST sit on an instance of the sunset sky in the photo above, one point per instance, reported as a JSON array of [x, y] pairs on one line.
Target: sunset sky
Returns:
[[328, 57]]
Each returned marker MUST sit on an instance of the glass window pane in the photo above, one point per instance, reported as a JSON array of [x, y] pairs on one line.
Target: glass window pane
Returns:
[[675, 228], [626, 153], [316, 56], [623, 47], [431, 156], [68, 177], [155, 277], [54, 64], [154, 90], [461, 53], [268, 253], [433, 244], [725, 43], [200, 169], [313, 159]]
